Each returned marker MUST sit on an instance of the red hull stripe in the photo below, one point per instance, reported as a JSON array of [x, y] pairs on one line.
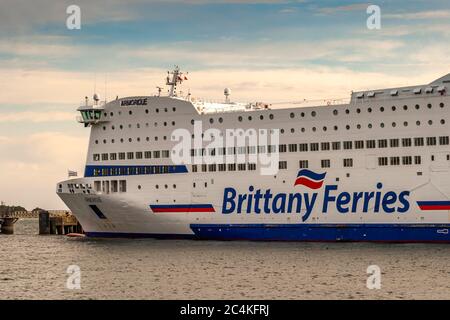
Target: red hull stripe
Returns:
[[308, 183], [433, 205], [181, 208]]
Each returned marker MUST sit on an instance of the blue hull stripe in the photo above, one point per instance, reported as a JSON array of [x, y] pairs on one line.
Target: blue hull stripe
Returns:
[[439, 233], [326, 232]]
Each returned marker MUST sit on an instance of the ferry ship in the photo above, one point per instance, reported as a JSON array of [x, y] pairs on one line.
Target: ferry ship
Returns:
[[374, 168]]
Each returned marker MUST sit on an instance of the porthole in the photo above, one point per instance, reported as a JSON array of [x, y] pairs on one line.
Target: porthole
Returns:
[[166, 186], [394, 124], [147, 138], [165, 109], [369, 110], [138, 139], [157, 186], [96, 141], [429, 106], [156, 138], [358, 126], [394, 108], [417, 107], [347, 111], [335, 128], [111, 114], [174, 109], [335, 112], [314, 129], [303, 130], [173, 123], [369, 126], [240, 119], [441, 105], [442, 121], [121, 127], [271, 116], [249, 118], [165, 138], [418, 123], [138, 125], [381, 109], [282, 131], [105, 114], [430, 122], [382, 125], [104, 141], [129, 139], [292, 115], [302, 114], [130, 112], [192, 121], [112, 127], [292, 130], [220, 120], [139, 187], [157, 110], [174, 186], [165, 124], [121, 140], [313, 113], [112, 141], [358, 110], [261, 117], [347, 127], [324, 128], [129, 126], [405, 107], [405, 124], [155, 124], [211, 120], [146, 110]]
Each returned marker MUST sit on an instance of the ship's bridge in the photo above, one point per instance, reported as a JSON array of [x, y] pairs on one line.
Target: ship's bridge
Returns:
[[91, 113]]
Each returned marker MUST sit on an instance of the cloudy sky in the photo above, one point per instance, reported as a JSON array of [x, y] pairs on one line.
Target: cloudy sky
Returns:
[[265, 50]]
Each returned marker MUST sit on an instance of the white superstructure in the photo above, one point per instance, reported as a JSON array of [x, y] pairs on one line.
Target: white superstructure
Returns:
[[373, 169]]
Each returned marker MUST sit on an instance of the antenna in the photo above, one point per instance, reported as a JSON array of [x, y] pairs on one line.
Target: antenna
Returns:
[[106, 99]]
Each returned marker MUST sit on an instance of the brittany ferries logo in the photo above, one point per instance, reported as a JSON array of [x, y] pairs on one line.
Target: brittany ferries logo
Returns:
[[258, 201]]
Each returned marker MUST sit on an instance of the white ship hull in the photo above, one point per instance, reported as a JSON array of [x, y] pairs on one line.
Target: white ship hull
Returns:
[[395, 192]]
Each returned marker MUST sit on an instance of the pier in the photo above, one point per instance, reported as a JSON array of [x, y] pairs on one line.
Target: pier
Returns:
[[58, 222]]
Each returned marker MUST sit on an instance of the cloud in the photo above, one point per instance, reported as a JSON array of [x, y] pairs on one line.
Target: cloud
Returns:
[[347, 8], [33, 165], [37, 117], [432, 14]]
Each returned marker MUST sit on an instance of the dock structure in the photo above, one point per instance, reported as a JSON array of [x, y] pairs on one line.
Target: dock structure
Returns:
[[53, 222], [50, 222], [7, 221]]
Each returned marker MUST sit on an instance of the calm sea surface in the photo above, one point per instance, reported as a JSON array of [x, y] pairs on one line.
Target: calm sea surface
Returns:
[[35, 267]]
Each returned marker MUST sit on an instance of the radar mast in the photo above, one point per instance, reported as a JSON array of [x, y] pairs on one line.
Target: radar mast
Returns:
[[173, 79]]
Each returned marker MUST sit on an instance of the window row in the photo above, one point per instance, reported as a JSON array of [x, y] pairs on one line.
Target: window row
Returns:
[[131, 155], [395, 161]]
